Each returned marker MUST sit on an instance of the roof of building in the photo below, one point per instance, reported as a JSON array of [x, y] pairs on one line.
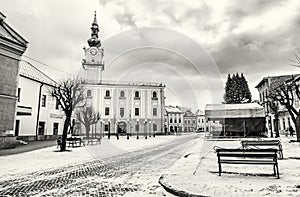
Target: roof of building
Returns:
[[125, 83], [244, 110], [199, 113], [29, 71], [172, 109], [9, 33], [280, 78]]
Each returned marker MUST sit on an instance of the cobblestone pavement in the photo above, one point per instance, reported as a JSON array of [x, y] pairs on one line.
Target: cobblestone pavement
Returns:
[[131, 174]]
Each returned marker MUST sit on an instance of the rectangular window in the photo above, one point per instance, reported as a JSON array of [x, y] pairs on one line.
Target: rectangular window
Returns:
[[43, 100], [56, 104], [154, 111], [179, 120], [41, 130], [171, 120], [154, 127], [106, 111], [19, 94], [175, 120], [55, 128], [122, 112], [137, 111]]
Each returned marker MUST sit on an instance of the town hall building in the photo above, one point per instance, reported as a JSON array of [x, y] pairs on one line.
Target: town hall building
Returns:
[[135, 108]]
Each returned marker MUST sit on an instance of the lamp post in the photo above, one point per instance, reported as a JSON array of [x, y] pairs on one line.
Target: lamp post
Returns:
[[117, 130], [153, 122], [127, 132], [137, 129], [145, 127], [150, 128], [109, 129], [101, 129]]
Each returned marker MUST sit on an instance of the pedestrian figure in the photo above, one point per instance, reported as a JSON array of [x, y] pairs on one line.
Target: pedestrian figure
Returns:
[[291, 129], [59, 142]]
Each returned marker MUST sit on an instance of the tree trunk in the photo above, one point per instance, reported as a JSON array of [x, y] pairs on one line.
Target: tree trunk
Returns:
[[87, 131], [276, 125], [65, 132], [298, 127]]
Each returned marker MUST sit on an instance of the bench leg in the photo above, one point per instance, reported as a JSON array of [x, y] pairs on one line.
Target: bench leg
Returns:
[[274, 169], [220, 169], [277, 170]]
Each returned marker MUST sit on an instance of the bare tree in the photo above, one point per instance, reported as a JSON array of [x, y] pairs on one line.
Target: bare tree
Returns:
[[69, 93], [285, 94], [87, 117]]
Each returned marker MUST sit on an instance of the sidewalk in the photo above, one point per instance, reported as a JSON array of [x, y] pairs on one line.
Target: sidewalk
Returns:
[[32, 145], [196, 173]]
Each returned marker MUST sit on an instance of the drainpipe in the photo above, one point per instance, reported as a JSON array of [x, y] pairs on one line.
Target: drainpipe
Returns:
[[38, 113]]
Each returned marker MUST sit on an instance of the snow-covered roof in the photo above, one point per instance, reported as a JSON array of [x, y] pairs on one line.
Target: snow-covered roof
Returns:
[[31, 72], [244, 110], [172, 109], [199, 113]]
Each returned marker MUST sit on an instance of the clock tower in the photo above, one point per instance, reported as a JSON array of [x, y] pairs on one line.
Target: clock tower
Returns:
[[93, 64]]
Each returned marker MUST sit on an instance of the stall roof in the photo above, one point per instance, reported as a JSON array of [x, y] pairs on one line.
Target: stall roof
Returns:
[[244, 110]]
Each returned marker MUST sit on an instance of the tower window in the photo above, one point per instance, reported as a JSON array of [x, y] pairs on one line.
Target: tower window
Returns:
[[107, 93], [154, 111], [136, 94]]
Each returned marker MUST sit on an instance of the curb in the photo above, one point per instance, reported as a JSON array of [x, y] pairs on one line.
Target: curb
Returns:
[[175, 191]]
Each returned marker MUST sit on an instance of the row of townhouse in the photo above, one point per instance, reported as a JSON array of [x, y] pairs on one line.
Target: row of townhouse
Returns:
[[179, 119], [264, 88]]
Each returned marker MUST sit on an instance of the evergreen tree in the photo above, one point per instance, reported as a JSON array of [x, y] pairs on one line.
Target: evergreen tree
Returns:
[[237, 89]]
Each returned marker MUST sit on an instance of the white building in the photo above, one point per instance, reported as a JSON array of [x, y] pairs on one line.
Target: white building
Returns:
[[123, 107], [38, 114], [173, 119], [201, 122]]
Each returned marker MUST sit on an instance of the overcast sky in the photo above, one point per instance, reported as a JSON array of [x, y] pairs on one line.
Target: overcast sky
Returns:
[[194, 44]]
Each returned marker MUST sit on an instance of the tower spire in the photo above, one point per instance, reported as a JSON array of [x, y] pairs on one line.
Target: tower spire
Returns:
[[94, 41]]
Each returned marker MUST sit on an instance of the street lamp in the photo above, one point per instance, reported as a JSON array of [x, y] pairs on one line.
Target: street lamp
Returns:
[[145, 127], [150, 128], [117, 130], [153, 122], [137, 129], [127, 132], [108, 128]]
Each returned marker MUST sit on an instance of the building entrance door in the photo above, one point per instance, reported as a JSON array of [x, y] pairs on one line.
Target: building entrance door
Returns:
[[122, 127]]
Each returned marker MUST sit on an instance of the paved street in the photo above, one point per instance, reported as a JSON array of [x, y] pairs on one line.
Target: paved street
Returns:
[[130, 174]]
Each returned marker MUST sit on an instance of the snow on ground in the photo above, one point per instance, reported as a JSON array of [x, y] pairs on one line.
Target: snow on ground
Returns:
[[47, 158], [197, 172]]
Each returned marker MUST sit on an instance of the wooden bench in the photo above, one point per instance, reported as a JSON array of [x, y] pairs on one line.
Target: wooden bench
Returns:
[[248, 156], [264, 143], [74, 141]]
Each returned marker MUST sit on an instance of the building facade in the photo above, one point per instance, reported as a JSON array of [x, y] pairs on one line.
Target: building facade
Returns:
[[201, 122], [39, 116], [12, 47], [189, 121], [173, 119], [135, 108], [284, 120]]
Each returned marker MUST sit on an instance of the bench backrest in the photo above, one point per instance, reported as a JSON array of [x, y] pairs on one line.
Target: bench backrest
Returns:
[[248, 153], [261, 143]]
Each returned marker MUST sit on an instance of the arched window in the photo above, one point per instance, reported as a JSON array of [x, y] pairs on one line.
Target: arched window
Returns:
[[137, 94], [154, 95], [88, 93], [122, 94], [107, 93]]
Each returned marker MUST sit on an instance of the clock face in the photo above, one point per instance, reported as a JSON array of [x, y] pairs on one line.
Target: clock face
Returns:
[[93, 51]]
